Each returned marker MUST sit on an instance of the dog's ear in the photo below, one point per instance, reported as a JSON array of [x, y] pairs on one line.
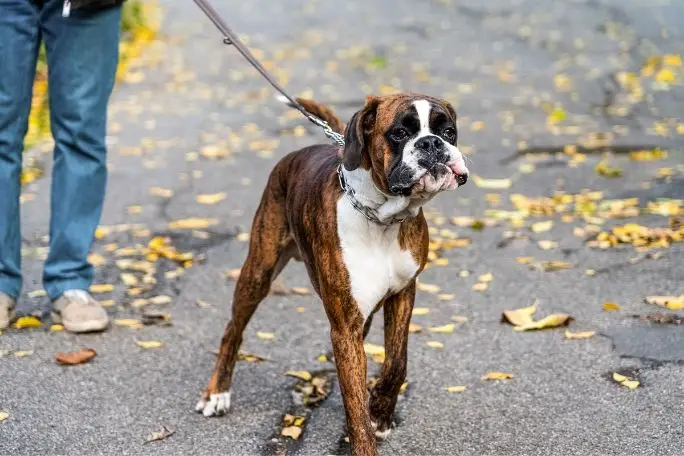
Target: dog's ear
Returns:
[[450, 109], [357, 134]]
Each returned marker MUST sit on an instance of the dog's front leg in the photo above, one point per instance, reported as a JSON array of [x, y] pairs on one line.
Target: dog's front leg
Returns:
[[347, 342], [397, 312]]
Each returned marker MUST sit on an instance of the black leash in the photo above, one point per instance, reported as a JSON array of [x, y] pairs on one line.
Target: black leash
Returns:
[[230, 38]]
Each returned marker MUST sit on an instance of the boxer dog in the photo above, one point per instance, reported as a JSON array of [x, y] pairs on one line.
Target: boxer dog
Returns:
[[353, 215]]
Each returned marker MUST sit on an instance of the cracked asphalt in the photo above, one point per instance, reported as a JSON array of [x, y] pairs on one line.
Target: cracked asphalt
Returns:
[[498, 63]]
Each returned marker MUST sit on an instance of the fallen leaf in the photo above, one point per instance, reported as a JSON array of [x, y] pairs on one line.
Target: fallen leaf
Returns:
[[300, 291], [434, 344], [161, 192], [128, 322], [540, 227], [455, 389], [480, 286], [519, 317], [429, 288], [497, 376], [162, 434], [22, 353], [301, 374], [27, 322], [414, 328], [161, 300], [149, 344], [444, 329], [554, 265], [56, 328], [96, 259], [547, 245], [648, 155], [99, 288], [37, 294], [292, 432], [625, 381], [492, 184], [420, 311], [265, 335], [4, 415], [251, 357], [212, 198], [128, 279], [77, 357], [669, 302], [486, 277], [610, 306], [524, 259], [550, 321], [446, 296], [579, 335], [460, 319], [192, 223], [233, 274], [605, 170], [373, 349]]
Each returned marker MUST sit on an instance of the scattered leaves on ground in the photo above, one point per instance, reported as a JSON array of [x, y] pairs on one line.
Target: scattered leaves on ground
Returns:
[[434, 344], [497, 376], [610, 306], [444, 329], [579, 335], [73, 358], [300, 374], [456, 389], [212, 198], [669, 302], [625, 381], [149, 344], [192, 223], [265, 335]]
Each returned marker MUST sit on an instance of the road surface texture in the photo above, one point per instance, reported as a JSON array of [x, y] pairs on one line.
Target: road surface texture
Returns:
[[546, 92]]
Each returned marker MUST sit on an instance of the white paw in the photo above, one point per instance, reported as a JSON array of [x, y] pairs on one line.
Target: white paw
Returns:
[[217, 405], [382, 435]]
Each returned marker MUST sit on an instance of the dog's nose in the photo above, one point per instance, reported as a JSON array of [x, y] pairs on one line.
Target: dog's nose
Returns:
[[461, 179], [430, 143]]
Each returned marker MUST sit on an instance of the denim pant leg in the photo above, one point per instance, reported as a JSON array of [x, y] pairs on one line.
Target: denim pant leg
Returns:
[[82, 52], [19, 39]]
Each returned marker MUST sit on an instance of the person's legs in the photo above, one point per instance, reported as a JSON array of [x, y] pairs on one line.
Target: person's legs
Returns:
[[82, 52], [19, 39]]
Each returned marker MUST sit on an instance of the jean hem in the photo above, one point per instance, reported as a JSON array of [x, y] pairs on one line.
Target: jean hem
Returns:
[[57, 288], [13, 291]]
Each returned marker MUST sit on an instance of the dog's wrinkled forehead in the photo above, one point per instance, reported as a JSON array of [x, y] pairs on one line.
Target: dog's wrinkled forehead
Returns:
[[423, 116]]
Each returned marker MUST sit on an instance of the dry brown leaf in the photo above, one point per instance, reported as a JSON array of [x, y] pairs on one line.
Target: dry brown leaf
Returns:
[[149, 344], [669, 302], [161, 434], [74, 358], [519, 317], [550, 321], [497, 376], [192, 223], [579, 335], [611, 306], [265, 335], [212, 198], [292, 432], [444, 329], [455, 389], [300, 374]]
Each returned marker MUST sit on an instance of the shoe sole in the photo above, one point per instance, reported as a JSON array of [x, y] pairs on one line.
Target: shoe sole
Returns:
[[80, 327]]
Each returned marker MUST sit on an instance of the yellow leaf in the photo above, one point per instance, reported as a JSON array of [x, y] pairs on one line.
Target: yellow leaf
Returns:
[[460, 319], [665, 75], [455, 389], [540, 227], [579, 335], [625, 381], [192, 223], [242, 237], [631, 384], [56, 328], [497, 376], [556, 116], [96, 259], [669, 302], [129, 279], [373, 349], [3, 415], [211, 198], [129, 323], [161, 192], [554, 265], [161, 300], [292, 432], [619, 377], [97, 288], [446, 296], [547, 245], [520, 317], [610, 306], [149, 343], [492, 184], [550, 321], [674, 60], [265, 335], [464, 273], [605, 170], [37, 294], [448, 328], [414, 328], [524, 259], [434, 344], [301, 374], [486, 277], [420, 311], [429, 288], [22, 353], [27, 322], [648, 155], [480, 286]]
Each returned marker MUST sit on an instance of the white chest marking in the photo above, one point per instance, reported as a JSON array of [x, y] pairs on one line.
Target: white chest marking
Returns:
[[376, 264]]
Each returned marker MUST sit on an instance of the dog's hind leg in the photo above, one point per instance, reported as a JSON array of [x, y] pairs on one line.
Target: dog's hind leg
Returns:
[[271, 247], [383, 397]]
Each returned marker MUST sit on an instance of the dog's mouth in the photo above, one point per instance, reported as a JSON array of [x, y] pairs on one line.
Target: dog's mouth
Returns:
[[427, 182]]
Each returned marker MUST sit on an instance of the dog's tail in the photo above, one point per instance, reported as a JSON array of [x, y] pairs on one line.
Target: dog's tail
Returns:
[[321, 111]]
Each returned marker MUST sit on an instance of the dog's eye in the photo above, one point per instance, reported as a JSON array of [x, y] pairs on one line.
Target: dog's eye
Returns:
[[449, 133], [399, 134]]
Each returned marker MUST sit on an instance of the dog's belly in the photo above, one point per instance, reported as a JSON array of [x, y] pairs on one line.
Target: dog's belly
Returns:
[[376, 264]]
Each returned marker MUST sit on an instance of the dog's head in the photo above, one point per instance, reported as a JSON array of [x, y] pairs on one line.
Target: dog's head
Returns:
[[408, 144]]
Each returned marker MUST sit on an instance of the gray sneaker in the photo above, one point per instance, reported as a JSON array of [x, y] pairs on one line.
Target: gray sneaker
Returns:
[[79, 312], [7, 305]]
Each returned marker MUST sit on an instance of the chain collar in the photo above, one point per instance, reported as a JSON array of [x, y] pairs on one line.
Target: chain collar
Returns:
[[369, 213]]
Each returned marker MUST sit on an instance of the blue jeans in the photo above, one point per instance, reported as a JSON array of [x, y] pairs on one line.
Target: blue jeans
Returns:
[[82, 54]]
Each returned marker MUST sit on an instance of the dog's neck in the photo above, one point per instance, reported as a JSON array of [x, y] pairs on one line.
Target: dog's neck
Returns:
[[385, 207]]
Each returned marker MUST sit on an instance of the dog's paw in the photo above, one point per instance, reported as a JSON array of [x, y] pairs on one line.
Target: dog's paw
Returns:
[[216, 405], [382, 435]]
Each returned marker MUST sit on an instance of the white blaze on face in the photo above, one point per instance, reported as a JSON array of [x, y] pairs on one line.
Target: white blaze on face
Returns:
[[410, 154]]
